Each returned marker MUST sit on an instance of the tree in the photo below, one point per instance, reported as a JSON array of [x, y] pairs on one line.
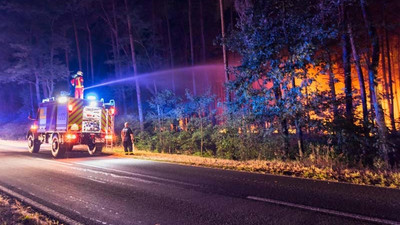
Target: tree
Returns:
[[373, 62], [134, 67], [163, 112], [170, 49], [271, 64], [346, 60], [356, 59], [224, 54], [198, 106], [389, 85]]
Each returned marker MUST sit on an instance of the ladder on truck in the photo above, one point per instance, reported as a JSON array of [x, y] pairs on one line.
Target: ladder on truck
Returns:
[[109, 131], [109, 144]]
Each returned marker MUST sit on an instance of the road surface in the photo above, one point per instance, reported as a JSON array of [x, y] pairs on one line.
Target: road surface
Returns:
[[109, 190]]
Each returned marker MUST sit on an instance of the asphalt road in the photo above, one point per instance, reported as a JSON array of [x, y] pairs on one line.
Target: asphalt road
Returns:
[[111, 190]]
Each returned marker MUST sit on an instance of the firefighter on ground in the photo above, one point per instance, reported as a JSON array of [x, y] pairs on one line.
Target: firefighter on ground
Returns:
[[127, 139], [77, 83]]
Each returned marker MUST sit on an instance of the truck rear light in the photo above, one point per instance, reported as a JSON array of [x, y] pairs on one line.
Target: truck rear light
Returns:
[[71, 136], [112, 110], [34, 127], [70, 107]]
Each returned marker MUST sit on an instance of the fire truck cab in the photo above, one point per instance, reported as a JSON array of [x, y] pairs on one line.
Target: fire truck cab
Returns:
[[66, 121]]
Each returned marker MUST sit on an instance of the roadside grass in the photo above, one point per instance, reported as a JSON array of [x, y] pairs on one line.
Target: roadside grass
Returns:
[[14, 212], [305, 169]]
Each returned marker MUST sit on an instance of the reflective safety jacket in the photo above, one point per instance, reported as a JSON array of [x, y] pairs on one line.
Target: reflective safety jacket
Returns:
[[77, 82]]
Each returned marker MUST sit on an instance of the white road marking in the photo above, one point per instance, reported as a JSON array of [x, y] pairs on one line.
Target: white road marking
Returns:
[[140, 175], [41, 207], [72, 166], [326, 211], [54, 161], [98, 181], [119, 171]]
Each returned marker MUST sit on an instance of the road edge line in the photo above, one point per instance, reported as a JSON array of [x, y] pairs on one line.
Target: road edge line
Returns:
[[45, 209], [325, 211]]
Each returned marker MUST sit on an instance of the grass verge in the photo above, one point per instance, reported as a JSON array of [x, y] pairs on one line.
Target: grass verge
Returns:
[[14, 212], [381, 178]]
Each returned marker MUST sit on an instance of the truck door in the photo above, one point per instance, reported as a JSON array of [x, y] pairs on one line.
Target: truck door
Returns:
[[42, 119]]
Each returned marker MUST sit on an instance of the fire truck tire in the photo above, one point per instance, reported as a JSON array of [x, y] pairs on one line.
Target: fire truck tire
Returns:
[[95, 149], [33, 144], [57, 149]]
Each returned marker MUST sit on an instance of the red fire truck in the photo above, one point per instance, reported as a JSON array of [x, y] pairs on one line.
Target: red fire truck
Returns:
[[66, 121]]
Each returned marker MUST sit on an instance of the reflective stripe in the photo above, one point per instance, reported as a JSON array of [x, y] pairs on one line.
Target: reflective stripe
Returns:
[[79, 82], [75, 117]]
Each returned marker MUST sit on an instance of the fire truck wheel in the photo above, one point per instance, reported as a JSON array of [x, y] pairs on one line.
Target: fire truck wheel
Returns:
[[95, 149], [33, 144], [57, 149]]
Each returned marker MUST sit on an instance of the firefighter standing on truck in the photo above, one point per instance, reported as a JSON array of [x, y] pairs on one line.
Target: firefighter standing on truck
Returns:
[[127, 139], [77, 83]]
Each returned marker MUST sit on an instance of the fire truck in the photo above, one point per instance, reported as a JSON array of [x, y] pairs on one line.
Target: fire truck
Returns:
[[66, 121]]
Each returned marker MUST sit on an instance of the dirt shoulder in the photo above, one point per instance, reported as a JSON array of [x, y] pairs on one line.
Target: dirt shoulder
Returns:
[[318, 171], [14, 212]]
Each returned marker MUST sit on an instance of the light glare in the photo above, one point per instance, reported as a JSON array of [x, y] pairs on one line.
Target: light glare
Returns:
[[62, 99]]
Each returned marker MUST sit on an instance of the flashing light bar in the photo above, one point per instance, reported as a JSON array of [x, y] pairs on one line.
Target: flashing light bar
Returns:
[[70, 108], [62, 99], [91, 97]]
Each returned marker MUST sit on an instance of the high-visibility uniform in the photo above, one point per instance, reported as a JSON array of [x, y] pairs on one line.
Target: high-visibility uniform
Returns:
[[77, 82]]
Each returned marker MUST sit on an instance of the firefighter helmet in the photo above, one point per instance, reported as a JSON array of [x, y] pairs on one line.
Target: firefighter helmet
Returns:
[[79, 73]]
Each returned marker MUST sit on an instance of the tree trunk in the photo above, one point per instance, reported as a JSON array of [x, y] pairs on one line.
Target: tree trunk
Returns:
[[224, 53], [356, 59], [90, 51], [31, 98], [201, 134], [346, 65], [88, 61], [397, 86], [390, 81], [50, 87], [171, 54], [114, 50], [372, 71], [158, 117], [299, 131], [203, 41], [44, 89], [332, 87], [37, 87], [51, 84], [191, 46], [78, 49], [283, 122], [120, 92], [116, 34], [384, 74], [66, 58], [134, 67]]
